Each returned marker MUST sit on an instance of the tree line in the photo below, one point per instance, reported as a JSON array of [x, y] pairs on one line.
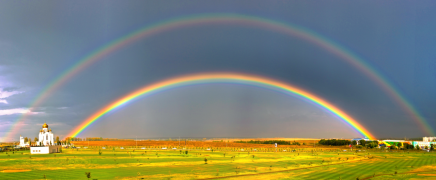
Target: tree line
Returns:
[[334, 142], [279, 142], [35, 140], [95, 139]]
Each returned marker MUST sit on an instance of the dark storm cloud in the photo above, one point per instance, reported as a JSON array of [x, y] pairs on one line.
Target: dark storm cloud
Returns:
[[40, 40]]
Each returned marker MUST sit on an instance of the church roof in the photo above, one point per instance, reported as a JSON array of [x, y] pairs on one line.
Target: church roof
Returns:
[[45, 125]]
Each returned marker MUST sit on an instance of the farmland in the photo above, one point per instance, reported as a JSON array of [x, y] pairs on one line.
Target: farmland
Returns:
[[206, 161]]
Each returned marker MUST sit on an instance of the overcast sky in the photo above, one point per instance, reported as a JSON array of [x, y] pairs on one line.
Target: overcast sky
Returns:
[[39, 40]]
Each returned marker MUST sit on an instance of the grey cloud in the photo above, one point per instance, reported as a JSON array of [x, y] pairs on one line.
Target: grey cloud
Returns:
[[41, 40]]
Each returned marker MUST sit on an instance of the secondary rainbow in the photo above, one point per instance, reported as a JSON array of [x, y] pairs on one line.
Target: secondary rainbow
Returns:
[[219, 77], [237, 20]]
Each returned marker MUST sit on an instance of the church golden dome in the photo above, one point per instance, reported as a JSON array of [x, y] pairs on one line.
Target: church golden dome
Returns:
[[40, 130], [49, 130], [45, 125]]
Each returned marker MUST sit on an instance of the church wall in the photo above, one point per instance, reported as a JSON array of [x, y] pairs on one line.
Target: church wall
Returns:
[[46, 149], [39, 150], [46, 137]]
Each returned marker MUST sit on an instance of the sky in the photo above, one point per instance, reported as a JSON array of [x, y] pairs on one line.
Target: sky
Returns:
[[40, 40]]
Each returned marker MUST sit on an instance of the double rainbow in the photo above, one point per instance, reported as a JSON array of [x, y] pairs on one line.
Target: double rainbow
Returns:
[[234, 19], [219, 77]]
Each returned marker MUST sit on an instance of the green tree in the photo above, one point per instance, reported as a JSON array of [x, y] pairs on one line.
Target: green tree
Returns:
[[36, 139], [417, 147], [26, 140], [57, 139], [362, 142], [372, 144], [354, 142], [431, 147]]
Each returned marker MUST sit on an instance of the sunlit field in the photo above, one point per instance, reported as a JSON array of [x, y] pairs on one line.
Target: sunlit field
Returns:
[[153, 162]]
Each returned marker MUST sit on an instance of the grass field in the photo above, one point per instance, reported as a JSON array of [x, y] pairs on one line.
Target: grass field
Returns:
[[231, 163], [205, 144]]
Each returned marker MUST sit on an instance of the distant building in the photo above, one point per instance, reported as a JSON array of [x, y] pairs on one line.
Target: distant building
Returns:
[[22, 143], [45, 144], [425, 144], [429, 139], [422, 144]]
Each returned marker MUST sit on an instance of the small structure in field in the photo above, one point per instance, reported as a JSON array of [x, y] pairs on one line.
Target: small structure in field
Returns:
[[45, 149]]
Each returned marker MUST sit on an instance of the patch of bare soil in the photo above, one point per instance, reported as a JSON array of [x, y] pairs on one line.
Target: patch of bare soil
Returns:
[[423, 169], [14, 170]]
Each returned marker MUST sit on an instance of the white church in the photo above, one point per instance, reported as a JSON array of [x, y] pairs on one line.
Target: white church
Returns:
[[22, 143], [45, 144], [45, 136]]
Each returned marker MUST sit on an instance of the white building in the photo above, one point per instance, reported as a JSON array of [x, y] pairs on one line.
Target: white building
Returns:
[[422, 144], [45, 136], [22, 143], [428, 139], [45, 149], [45, 144]]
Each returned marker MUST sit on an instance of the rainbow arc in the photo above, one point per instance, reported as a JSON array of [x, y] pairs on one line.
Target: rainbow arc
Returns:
[[219, 77], [236, 20]]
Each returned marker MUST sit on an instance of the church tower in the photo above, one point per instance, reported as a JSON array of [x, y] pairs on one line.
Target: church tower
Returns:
[[45, 136]]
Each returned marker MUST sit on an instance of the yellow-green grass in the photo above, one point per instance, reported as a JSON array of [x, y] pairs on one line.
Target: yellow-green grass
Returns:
[[171, 164]]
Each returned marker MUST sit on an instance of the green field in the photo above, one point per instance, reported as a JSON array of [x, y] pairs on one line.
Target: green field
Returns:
[[171, 164]]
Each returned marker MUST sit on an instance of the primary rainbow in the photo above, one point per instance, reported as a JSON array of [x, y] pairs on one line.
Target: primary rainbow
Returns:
[[235, 19], [219, 77]]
